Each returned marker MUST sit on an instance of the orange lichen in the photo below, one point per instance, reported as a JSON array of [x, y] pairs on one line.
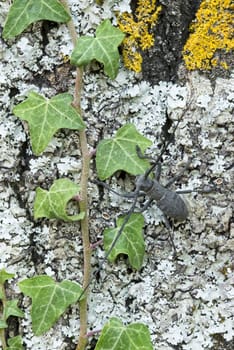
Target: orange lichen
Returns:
[[138, 36], [212, 30]]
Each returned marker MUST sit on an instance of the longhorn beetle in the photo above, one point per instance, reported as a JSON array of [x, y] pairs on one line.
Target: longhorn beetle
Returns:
[[170, 202]]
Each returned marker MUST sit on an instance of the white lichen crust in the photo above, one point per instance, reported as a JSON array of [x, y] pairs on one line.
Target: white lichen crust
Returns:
[[186, 301]]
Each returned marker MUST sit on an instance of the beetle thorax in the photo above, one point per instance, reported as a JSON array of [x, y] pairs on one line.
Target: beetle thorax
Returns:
[[148, 186]]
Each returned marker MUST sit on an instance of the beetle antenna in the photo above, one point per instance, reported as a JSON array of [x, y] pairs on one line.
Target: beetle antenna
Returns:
[[125, 221], [166, 143]]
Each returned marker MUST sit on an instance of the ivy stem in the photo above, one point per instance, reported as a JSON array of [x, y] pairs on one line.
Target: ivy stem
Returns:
[[2, 339], [83, 203], [85, 237], [70, 25], [3, 307]]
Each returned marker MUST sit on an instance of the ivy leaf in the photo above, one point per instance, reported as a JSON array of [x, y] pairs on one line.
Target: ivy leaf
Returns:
[[15, 343], [46, 117], [103, 48], [119, 153], [24, 12], [115, 336], [52, 204], [4, 276], [49, 300], [11, 309], [130, 242]]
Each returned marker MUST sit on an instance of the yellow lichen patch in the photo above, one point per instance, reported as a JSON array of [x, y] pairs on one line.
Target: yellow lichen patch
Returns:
[[65, 58], [212, 30], [138, 36]]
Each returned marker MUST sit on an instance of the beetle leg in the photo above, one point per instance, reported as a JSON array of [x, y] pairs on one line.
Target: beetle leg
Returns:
[[170, 234], [141, 155], [125, 195], [158, 171], [197, 190]]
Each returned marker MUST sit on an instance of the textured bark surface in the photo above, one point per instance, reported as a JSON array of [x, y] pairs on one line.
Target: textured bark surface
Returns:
[[186, 302], [163, 60]]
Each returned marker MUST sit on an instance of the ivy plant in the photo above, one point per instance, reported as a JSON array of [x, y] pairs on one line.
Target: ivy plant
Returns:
[[131, 241], [119, 153], [8, 308], [45, 117], [24, 12], [52, 114], [49, 300], [116, 336], [103, 48], [52, 204]]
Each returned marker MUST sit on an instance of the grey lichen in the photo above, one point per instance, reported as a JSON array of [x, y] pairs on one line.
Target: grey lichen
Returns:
[[184, 302]]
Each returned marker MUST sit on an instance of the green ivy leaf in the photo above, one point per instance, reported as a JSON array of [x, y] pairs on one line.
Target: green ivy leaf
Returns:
[[119, 153], [49, 300], [52, 204], [4, 276], [130, 242], [103, 48], [11, 309], [115, 336], [24, 12], [15, 343], [46, 117]]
